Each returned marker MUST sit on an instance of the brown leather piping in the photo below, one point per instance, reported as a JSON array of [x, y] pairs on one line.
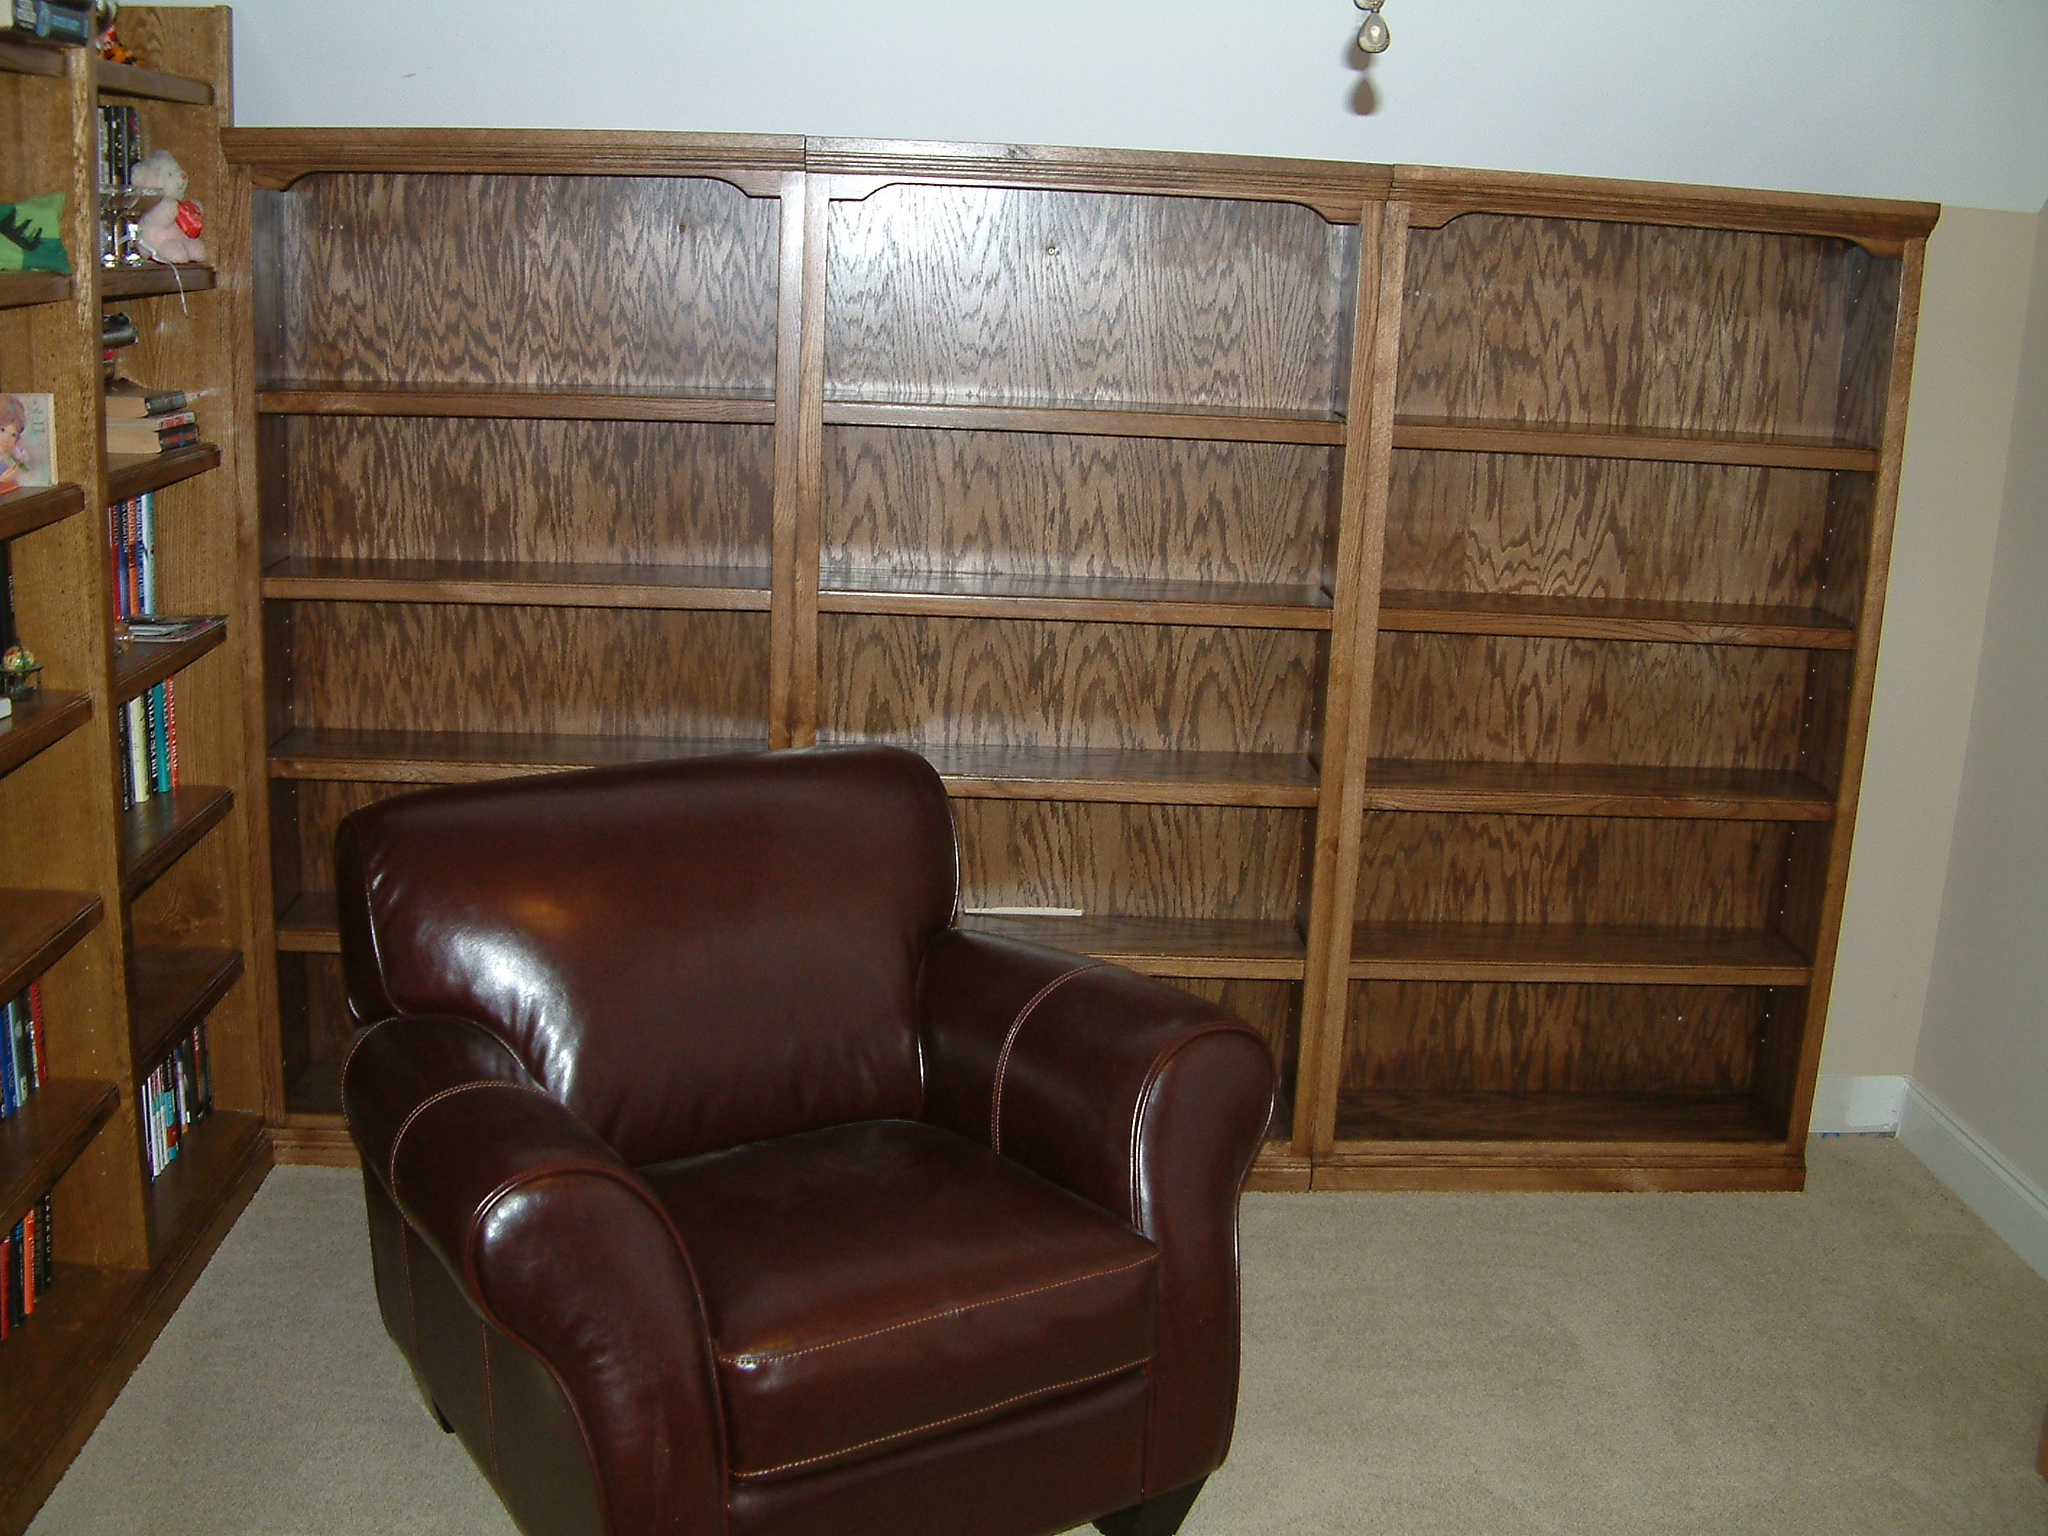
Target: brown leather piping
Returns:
[[995, 1097], [764, 1357], [922, 1429]]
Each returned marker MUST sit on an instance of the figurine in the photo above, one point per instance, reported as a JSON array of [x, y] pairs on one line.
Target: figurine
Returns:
[[110, 47], [169, 231]]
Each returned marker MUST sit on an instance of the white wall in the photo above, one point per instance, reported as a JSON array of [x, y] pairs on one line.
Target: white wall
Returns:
[[1939, 99], [1895, 98], [1983, 1052]]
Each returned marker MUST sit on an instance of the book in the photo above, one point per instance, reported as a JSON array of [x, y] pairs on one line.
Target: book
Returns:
[[129, 401], [56, 21], [27, 441]]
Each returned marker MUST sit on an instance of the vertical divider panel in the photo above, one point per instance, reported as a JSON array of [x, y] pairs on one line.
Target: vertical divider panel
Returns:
[[1354, 648], [1870, 616], [800, 478], [793, 601]]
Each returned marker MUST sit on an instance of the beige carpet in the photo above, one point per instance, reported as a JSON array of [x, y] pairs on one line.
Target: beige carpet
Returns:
[[1863, 1359]]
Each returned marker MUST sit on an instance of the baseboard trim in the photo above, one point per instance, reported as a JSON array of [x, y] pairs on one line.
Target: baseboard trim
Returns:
[[2011, 1204], [1844, 1105]]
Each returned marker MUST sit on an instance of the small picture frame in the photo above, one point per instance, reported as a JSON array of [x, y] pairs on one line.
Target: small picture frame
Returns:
[[27, 441]]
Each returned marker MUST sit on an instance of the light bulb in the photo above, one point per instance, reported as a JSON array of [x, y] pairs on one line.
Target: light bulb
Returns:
[[1373, 37]]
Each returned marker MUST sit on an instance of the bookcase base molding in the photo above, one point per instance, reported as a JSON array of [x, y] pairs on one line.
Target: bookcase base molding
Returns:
[[1429, 612]]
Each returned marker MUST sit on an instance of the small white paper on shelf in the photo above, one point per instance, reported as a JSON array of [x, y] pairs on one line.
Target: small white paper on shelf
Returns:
[[1023, 912]]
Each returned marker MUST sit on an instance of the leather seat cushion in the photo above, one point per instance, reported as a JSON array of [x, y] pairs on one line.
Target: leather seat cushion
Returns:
[[868, 1286]]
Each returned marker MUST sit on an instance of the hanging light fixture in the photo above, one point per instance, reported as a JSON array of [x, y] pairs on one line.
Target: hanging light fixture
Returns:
[[1373, 37]]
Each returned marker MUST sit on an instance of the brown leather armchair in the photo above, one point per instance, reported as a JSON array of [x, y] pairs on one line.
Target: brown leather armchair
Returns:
[[717, 1183]]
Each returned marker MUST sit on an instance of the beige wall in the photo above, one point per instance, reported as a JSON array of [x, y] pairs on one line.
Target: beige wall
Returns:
[[1983, 1049], [1951, 493]]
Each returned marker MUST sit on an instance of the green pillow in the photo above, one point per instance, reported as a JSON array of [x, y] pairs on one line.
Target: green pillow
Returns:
[[31, 235]]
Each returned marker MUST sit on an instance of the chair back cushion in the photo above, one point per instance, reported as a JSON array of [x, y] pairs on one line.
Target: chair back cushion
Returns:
[[689, 955]]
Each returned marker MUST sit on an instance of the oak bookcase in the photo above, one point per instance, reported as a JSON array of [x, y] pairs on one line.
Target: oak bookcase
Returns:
[[1431, 612], [136, 923]]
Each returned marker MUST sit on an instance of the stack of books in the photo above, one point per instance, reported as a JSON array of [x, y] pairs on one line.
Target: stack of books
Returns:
[[25, 1251], [25, 1268], [148, 421], [178, 1095], [147, 727]]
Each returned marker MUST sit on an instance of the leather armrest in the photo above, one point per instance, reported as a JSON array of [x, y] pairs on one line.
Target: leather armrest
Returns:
[[1137, 1096], [560, 1246]]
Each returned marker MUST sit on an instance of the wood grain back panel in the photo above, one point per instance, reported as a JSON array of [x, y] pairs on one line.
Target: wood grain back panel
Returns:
[[1130, 860], [1568, 321], [632, 281], [1608, 528], [574, 671], [1478, 698], [1424, 867], [1870, 299], [410, 488], [1521, 1037], [992, 683], [1036, 504], [964, 294]]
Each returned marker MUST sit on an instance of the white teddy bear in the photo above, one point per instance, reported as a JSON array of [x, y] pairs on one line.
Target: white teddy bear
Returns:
[[169, 230]]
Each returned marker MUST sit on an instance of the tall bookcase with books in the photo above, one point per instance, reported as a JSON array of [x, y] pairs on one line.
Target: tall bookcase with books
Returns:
[[1432, 612], [126, 906]]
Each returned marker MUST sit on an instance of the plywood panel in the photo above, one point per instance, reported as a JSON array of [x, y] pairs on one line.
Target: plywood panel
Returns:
[[528, 280], [1870, 301], [1556, 320], [1610, 528], [576, 671], [403, 488], [998, 683], [1494, 699], [1130, 860], [1011, 503], [1431, 868], [962, 294], [1538, 1037]]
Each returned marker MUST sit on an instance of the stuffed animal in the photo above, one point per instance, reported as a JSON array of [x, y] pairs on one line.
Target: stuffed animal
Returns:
[[170, 226]]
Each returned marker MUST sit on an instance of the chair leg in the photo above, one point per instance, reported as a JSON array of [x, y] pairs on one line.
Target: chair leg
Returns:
[[1159, 1515]]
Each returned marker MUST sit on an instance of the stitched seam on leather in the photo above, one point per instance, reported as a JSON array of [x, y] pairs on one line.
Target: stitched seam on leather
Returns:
[[391, 1168], [1152, 1075], [931, 1317], [357, 1045], [973, 1413], [483, 1336], [995, 1097]]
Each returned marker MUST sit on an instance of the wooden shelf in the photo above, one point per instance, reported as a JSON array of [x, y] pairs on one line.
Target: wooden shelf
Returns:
[[162, 829], [148, 662], [1588, 618], [213, 1160], [152, 84], [1377, 1118], [1095, 420], [454, 757], [36, 930], [78, 1324], [1716, 794], [535, 585], [25, 511], [1128, 777], [1157, 946], [566, 402], [38, 723], [42, 1139], [309, 925], [134, 474], [1519, 437], [170, 991], [19, 290], [1090, 599], [147, 282], [30, 59], [1707, 957]]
